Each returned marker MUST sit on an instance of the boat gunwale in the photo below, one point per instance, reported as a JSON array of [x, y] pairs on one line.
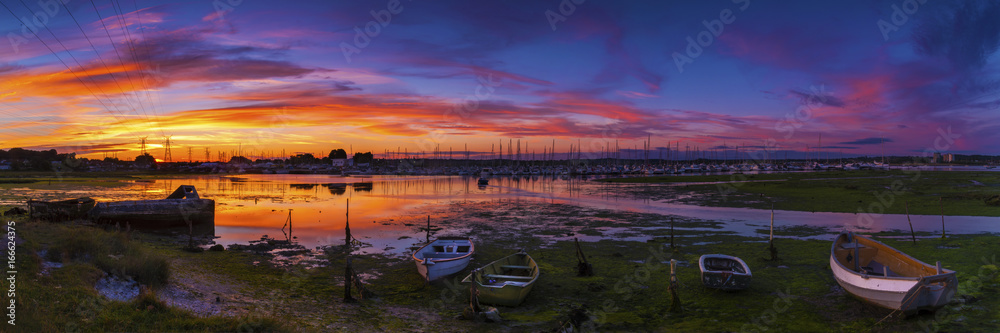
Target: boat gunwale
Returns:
[[472, 249], [534, 276], [847, 235], [701, 264]]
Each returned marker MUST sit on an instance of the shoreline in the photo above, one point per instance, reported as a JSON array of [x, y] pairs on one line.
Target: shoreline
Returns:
[[627, 292]]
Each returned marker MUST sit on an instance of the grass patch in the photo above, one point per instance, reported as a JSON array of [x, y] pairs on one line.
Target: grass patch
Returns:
[[112, 252], [64, 299], [970, 193]]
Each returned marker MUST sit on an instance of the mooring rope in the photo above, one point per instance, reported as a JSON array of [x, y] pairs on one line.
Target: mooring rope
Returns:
[[905, 304]]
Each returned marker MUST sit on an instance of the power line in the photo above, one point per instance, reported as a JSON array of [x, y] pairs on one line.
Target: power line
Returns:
[[78, 63], [119, 56], [149, 59], [77, 76], [99, 56], [128, 39]]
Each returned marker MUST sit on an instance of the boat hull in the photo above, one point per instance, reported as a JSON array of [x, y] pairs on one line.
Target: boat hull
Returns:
[[724, 272], [165, 213], [453, 258], [58, 210], [925, 289], [440, 270], [507, 281]]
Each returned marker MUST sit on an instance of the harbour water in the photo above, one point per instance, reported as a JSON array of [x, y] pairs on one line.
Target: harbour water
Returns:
[[388, 212]]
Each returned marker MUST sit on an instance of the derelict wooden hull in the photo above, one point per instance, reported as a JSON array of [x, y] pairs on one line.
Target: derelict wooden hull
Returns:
[[66, 209], [164, 213]]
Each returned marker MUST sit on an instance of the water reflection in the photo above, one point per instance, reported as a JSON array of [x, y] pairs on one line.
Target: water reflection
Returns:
[[386, 210]]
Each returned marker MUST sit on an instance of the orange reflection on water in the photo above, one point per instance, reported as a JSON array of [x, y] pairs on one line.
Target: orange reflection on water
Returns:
[[250, 206]]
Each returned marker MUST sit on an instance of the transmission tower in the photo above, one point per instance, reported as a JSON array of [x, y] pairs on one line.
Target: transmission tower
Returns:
[[189, 155], [208, 155], [166, 148], [142, 144]]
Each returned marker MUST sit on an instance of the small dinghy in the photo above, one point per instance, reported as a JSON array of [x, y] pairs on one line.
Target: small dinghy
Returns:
[[444, 256], [506, 281], [881, 275], [720, 271]]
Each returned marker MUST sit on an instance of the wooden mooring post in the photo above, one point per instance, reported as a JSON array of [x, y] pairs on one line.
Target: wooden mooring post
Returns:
[[348, 270], [941, 204], [288, 223], [770, 242], [672, 247], [583, 267], [912, 235], [675, 301]]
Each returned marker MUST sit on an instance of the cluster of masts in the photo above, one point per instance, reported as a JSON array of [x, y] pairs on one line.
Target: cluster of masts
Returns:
[[608, 152]]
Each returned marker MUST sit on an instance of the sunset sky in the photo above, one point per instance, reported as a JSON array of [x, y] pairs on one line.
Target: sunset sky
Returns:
[[296, 76]]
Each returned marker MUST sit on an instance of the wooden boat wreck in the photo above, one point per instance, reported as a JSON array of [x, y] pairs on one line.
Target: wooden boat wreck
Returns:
[[444, 256], [506, 281], [881, 275], [181, 207], [71, 209], [720, 271]]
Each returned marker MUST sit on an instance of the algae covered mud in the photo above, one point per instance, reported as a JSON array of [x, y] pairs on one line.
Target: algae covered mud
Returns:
[[626, 235]]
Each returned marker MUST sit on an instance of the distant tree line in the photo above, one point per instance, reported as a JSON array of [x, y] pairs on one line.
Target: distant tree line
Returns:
[[367, 157], [23, 159]]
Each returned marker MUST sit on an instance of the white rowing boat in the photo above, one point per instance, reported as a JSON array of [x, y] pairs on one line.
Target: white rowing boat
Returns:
[[881, 275], [444, 256], [725, 272]]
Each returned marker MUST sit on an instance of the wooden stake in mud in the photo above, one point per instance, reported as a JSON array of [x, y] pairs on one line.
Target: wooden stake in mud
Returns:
[[675, 301], [941, 203], [672, 247], [347, 282], [347, 229], [347, 250], [771, 239], [583, 267], [770, 242], [428, 228], [288, 223], [912, 235]]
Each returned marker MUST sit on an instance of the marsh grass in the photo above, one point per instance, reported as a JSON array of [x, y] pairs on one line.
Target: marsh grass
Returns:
[[64, 299], [969, 193], [112, 252]]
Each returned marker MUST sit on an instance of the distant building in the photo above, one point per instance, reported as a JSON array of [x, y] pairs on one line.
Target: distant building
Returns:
[[937, 158], [948, 158], [4, 165], [341, 162]]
